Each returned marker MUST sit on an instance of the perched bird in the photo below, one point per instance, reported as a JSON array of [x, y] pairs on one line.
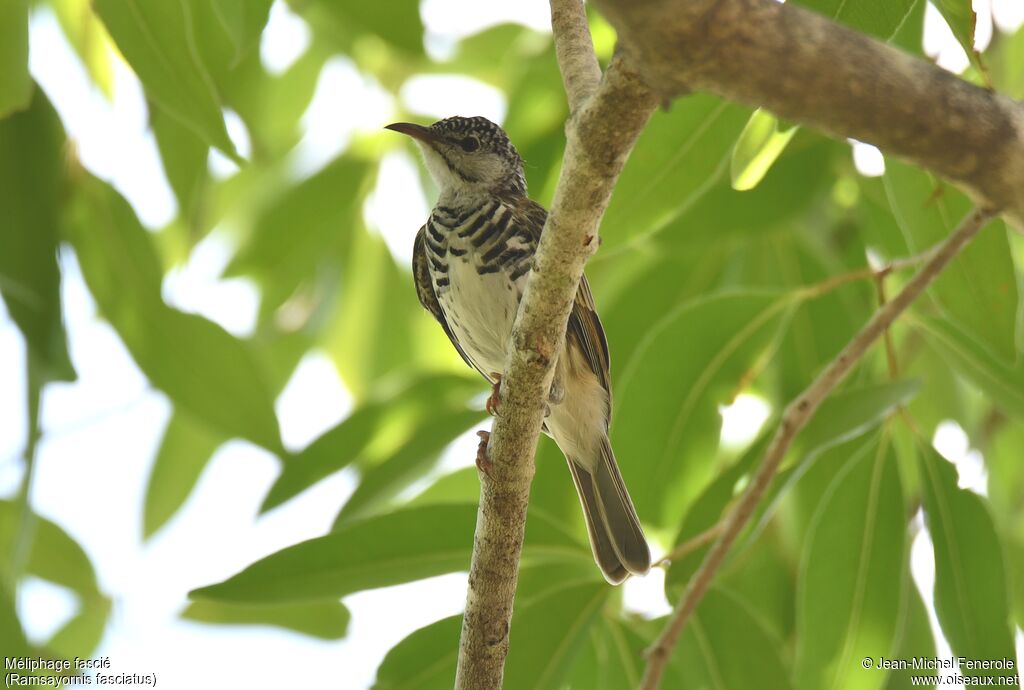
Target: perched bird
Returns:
[[470, 262]]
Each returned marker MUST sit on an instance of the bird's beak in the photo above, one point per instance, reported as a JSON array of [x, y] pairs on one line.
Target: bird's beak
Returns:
[[418, 132]]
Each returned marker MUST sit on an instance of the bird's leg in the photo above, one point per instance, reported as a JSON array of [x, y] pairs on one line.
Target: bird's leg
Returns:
[[556, 394], [494, 402], [483, 462]]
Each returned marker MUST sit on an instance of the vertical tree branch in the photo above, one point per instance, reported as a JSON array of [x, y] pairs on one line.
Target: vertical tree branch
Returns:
[[574, 49], [600, 135], [797, 414]]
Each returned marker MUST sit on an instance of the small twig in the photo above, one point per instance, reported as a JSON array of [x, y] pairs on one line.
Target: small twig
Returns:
[[693, 543], [793, 420], [574, 49]]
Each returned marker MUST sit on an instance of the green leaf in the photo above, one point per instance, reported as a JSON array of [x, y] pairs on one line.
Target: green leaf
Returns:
[[407, 464], [971, 592], [424, 660], [90, 39], [243, 20], [31, 164], [962, 21], [184, 156], [184, 452], [796, 183], [55, 556], [346, 441], [376, 552], [158, 40], [182, 354], [397, 22], [12, 637], [327, 620], [851, 573], [878, 18], [759, 145], [390, 549], [372, 332], [979, 288], [727, 648], [679, 156], [306, 230], [842, 417], [612, 659], [548, 633], [461, 486], [667, 448], [16, 86], [81, 635], [1003, 384], [916, 639]]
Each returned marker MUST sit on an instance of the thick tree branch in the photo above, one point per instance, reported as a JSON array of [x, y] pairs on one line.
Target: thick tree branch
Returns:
[[797, 414], [810, 70], [574, 49], [600, 136]]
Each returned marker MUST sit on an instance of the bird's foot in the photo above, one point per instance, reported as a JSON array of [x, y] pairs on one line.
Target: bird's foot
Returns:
[[494, 402], [556, 394], [483, 461]]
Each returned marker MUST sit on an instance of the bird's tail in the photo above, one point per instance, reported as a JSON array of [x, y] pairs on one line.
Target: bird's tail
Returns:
[[615, 533]]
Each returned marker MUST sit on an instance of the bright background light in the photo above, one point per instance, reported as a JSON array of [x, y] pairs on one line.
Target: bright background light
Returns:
[[100, 433]]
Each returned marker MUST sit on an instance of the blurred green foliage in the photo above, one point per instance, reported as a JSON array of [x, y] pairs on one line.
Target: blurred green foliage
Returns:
[[706, 292]]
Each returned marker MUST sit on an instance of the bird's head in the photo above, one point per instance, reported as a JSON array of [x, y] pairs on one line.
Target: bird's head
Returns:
[[467, 156]]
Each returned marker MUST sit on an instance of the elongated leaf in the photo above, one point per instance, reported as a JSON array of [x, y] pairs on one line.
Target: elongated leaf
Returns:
[[90, 39], [398, 23], [307, 230], [375, 552], [979, 288], [677, 159], [243, 20], [842, 417], [81, 635], [1004, 384], [383, 550], [327, 620], [424, 660], [878, 18], [852, 574], [158, 40], [16, 85], [55, 556], [420, 452], [548, 633], [184, 155], [12, 637], [461, 486], [204, 369], [915, 640], [727, 648], [759, 145], [962, 20], [31, 160], [970, 580], [342, 444], [667, 448], [184, 452], [371, 336]]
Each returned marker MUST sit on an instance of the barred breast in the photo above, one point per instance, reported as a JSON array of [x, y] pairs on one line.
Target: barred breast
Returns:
[[479, 260]]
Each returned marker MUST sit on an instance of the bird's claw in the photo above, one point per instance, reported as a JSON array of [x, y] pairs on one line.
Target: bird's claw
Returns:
[[483, 461], [494, 402]]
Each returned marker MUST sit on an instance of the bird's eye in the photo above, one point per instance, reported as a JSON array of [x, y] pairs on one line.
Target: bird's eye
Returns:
[[470, 144]]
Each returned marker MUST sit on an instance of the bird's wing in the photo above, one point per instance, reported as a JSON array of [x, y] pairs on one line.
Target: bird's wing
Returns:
[[428, 298], [584, 325]]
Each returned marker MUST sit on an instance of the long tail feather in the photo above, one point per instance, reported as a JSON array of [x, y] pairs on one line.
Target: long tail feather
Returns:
[[615, 534]]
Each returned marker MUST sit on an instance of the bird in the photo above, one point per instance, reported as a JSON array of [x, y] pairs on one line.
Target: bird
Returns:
[[471, 260]]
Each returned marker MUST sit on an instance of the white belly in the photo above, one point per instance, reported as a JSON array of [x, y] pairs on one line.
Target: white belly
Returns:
[[480, 310]]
